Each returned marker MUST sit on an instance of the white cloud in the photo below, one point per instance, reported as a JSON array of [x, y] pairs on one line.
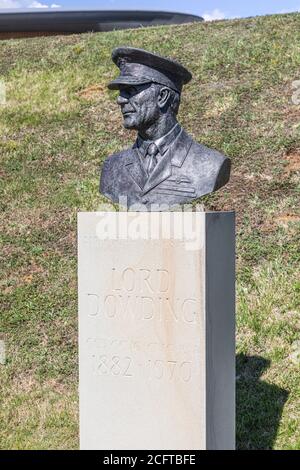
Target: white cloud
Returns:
[[36, 4], [215, 14], [9, 4], [289, 10]]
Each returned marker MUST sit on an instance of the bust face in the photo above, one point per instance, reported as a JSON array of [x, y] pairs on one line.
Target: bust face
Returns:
[[139, 105]]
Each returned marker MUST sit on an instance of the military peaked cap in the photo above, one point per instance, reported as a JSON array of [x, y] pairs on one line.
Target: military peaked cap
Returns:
[[138, 67]]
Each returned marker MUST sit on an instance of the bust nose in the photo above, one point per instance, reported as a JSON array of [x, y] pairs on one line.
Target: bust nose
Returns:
[[122, 100]]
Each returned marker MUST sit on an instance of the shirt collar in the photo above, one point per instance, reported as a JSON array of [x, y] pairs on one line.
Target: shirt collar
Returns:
[[162, 143]]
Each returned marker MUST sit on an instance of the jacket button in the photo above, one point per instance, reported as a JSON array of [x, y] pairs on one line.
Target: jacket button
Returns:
[[144, 201]]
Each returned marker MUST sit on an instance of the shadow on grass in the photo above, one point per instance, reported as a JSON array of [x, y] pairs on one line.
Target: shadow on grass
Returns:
[[259, 404]]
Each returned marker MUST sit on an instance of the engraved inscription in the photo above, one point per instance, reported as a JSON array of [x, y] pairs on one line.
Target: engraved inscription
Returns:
[[113, 365], [158, 369], [143, 294], [144, 307], [118, 357], [170, 370], [134, 345], [140, 280]]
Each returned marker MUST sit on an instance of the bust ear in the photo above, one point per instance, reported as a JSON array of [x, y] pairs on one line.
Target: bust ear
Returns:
[[164, 97]]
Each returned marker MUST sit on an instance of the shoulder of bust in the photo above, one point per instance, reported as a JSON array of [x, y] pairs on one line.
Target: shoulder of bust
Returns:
[[111, 170], [115, 157], [209, 162], [208, 153]]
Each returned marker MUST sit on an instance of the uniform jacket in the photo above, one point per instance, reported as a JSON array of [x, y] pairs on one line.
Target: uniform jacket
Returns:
[[186, 171]]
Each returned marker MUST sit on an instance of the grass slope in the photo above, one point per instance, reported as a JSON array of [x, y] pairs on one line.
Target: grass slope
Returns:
[[58, 125]]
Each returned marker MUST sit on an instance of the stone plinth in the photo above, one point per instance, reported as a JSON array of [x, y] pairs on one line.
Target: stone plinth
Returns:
[[156, 330]]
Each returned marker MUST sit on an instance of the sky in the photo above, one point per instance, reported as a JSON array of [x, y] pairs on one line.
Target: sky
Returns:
[[208, 9]]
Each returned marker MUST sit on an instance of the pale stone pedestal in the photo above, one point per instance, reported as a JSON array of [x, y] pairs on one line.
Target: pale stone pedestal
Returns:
[[156, 330]]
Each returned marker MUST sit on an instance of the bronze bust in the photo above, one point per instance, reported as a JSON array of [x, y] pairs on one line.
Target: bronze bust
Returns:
[[165, 166]]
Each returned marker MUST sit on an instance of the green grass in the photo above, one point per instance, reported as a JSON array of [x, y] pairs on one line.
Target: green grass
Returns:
[[58, 125]]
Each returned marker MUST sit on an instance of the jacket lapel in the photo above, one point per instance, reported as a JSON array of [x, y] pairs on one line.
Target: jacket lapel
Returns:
[[136, 169], [174, 156], [161, 172]]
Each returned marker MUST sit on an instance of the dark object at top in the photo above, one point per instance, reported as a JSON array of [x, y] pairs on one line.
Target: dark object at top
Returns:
[[16, 23], [138, 67], [165, 167]]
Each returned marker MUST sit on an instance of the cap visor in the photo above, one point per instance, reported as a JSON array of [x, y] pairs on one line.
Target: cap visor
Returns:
[[129, 80]]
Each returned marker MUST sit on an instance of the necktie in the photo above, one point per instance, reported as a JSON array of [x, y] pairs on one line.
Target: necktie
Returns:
[[151, 155]]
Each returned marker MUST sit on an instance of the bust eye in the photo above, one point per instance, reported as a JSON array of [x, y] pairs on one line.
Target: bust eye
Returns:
[[133, 90], [128, 90]]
